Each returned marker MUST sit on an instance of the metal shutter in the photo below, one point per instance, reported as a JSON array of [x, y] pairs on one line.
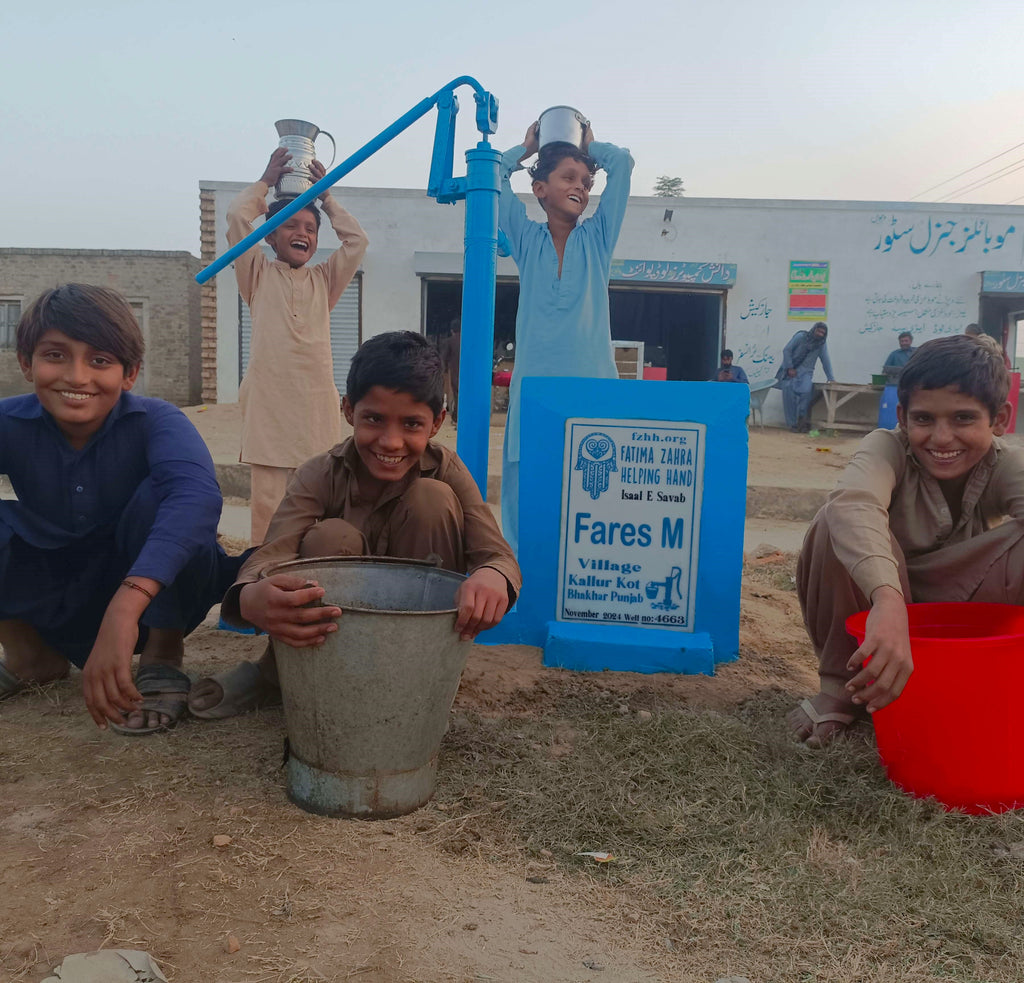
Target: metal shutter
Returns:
[[345, 331]]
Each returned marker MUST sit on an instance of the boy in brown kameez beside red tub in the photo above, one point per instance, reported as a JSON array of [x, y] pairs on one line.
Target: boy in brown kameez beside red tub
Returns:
[[932, 511]]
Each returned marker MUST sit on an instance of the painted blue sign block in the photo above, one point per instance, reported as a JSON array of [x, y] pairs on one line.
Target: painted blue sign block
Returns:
[[632, 504]]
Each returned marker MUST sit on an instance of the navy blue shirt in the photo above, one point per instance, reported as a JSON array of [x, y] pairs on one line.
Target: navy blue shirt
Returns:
[[736, 374], [66, 495]]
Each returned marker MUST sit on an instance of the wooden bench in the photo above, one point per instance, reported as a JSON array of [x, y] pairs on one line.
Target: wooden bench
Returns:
[[837, 394]]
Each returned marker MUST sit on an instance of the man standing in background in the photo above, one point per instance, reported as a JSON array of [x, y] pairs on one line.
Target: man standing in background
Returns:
[[899, 357]]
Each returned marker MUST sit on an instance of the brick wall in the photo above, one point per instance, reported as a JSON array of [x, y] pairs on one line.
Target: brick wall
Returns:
[[164, 283], [12, 382], [208, 251]]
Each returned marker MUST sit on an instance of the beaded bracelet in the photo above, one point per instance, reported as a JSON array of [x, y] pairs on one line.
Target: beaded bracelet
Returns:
[[139, 587]]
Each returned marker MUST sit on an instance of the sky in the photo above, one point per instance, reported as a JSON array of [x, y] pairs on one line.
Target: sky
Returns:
[[112, 113]]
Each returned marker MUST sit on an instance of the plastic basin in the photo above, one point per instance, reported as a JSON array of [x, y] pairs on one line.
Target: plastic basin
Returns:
[[956, 732]]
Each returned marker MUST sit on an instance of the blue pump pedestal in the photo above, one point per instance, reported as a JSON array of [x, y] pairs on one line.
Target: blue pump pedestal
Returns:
[[631, 507]]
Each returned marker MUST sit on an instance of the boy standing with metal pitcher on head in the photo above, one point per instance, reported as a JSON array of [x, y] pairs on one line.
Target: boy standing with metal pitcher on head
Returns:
[[291, 408], [563, 325]]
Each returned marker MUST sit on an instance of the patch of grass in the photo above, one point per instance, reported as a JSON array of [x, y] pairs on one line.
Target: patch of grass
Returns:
[[755, 852]]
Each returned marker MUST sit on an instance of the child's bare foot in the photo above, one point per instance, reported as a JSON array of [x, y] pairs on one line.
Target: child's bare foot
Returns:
[[820, 721]]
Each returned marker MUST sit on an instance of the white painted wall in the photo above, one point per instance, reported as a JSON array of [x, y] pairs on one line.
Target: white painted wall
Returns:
[[925, 277], [877, 289]]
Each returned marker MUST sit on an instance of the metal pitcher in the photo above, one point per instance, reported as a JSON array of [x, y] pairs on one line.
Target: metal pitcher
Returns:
[[562, 124], [297, 137]]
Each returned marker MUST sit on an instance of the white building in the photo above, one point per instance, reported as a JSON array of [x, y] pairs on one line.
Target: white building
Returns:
[[690, 276]]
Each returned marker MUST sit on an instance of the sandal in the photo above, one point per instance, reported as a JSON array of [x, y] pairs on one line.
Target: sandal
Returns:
[[9, 683], [815, 717], [108, 966], [164, 690], [243, 688]]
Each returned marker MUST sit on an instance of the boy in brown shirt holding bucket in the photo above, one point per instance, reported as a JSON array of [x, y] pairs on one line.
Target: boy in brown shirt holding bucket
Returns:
[[919, 515], [386, 491]]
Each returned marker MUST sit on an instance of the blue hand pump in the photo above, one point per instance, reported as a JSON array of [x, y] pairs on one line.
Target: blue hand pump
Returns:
[[480, 189]]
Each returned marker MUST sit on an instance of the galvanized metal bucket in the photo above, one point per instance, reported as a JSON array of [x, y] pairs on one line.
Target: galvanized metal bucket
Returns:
[[562, 124], [366, 710]]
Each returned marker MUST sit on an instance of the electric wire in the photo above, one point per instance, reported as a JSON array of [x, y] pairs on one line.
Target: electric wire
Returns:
[[1004, 171], [968, 170]]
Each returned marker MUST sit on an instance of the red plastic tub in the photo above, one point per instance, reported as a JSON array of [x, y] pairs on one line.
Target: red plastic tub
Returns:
[[957, 730]]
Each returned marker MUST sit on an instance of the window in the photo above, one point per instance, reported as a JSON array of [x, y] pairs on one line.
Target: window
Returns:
[[10, 314]]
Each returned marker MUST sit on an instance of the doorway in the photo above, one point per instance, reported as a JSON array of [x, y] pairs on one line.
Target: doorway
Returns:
[[442, 302], [681, 329], [999, 316]]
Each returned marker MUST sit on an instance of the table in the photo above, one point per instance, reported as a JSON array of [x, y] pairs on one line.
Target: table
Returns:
[[836, 394]]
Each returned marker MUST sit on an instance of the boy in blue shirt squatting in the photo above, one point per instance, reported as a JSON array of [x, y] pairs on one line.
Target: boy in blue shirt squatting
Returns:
[[563, 325], [111, 547]]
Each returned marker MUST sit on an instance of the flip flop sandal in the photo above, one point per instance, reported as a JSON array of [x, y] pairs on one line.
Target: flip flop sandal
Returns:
[[835, 716], [244, 688], [108, 966], [9, 683], [160, 686]]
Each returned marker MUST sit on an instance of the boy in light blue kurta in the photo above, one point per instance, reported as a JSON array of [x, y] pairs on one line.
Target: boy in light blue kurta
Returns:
[[563, 326]]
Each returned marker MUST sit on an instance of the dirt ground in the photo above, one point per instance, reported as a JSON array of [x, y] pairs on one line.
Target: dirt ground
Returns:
[[109, 842]]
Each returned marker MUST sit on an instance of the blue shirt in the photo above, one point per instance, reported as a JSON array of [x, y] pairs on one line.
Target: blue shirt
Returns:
[[66, 495], [563, 325], [802, 355], [898, 358], [737, 374]]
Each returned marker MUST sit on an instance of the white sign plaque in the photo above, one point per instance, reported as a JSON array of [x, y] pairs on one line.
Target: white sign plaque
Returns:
[[631, 505]]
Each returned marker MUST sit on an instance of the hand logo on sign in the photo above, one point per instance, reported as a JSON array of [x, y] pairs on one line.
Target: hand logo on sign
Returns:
[[596, 459]]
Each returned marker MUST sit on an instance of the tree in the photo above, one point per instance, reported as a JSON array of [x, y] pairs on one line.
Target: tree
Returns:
[[668, 187]]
